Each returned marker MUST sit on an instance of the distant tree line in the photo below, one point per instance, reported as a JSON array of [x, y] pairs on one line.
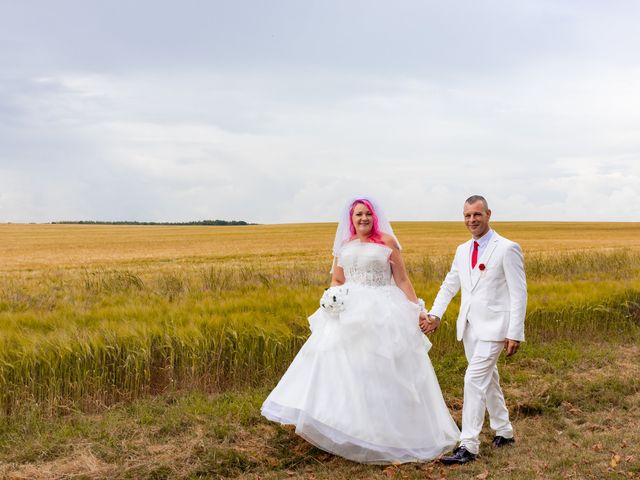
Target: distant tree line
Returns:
[[199, 222]]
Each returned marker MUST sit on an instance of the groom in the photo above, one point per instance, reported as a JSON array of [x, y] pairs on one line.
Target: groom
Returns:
[[490, 270]]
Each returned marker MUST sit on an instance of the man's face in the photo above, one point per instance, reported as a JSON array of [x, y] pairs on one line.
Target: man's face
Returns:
[[476, 218]]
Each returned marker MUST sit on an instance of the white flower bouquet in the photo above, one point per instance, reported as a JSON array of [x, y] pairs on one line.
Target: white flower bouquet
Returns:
[[334, 299]]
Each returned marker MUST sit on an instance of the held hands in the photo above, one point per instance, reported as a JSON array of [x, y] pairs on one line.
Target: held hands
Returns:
[[511, 346], [428, 323]]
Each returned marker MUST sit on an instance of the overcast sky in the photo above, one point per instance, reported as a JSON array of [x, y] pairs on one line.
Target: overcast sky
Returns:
[[277, 111]]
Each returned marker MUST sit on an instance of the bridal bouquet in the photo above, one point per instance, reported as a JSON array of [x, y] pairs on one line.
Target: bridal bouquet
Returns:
[[333, 299]]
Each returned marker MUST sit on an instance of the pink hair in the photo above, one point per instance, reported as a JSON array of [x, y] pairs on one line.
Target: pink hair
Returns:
[[376, 234]]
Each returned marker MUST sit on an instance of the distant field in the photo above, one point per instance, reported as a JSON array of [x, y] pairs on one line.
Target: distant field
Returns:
[[46, 247], [152, 316]]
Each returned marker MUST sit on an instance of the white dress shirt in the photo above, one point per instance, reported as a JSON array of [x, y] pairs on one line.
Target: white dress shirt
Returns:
[[483, 241]]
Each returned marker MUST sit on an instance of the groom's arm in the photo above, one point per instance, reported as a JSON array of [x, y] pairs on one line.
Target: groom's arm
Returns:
[[450, 286], [513, 264]]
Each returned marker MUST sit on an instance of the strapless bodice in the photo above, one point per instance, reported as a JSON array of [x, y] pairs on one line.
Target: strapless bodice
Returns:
[[366, 263]]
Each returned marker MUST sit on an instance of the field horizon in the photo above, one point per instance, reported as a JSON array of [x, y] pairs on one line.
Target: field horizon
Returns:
[[62, 244]]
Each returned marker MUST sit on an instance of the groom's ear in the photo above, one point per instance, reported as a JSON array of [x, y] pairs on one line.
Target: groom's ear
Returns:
[[488, 213]]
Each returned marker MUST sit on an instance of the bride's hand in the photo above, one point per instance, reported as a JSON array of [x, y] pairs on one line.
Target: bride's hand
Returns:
[[428, 323]]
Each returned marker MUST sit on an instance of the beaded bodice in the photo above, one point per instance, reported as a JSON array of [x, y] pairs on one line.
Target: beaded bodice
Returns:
[[366, 263]]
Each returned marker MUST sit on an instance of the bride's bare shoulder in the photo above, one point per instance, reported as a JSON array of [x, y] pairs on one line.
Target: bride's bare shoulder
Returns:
[[389, 241]]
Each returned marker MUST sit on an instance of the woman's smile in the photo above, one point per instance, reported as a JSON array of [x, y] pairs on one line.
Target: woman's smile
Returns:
[[362, 219]]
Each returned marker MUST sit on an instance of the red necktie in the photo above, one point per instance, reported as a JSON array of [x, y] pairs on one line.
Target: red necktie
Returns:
[[474, 255]]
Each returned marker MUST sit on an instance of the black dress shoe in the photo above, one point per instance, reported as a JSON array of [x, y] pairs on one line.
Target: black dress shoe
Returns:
[[460, 456], [500, 441]]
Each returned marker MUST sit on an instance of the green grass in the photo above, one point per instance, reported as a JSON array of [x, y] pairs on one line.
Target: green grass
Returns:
[[572, 408]]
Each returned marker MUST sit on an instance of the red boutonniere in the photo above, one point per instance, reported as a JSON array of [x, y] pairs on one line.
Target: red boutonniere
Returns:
[[482, 266]]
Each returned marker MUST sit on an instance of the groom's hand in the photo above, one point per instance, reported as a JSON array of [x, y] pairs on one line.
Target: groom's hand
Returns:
[[428, 323], [511, 346]]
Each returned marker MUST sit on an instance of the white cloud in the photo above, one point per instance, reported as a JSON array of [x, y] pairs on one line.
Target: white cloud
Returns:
[[534, 104]]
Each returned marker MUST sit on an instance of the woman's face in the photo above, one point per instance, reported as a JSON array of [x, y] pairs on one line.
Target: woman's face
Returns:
[[362, 219]]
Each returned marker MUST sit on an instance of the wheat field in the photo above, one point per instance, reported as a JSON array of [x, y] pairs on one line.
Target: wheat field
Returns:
[[146, 351], [93, 315]]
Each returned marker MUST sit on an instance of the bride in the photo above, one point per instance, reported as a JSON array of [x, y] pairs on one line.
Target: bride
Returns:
[[362, 386]]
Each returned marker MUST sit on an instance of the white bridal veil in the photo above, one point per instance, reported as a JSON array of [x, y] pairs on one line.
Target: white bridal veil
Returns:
[[343, 235]]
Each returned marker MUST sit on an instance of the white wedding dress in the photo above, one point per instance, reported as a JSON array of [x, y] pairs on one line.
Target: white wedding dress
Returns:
[[362, 386]]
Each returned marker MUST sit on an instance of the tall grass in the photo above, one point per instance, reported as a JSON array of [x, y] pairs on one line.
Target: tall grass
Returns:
[[81, 370], [82, 338]]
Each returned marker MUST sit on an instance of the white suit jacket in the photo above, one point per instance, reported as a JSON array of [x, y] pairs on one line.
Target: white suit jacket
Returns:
[[494, 300]]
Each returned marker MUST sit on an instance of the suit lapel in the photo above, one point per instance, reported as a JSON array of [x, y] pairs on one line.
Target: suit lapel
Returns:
[[465, 268], [476, 273]]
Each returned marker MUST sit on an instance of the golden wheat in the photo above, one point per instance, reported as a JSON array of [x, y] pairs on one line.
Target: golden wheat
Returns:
[[91, 315]]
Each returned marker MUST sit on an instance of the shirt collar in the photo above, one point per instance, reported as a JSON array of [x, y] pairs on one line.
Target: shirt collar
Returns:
[[484, 240]]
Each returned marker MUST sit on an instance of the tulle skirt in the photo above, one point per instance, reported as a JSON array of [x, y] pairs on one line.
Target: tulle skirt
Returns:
[[363, 387]]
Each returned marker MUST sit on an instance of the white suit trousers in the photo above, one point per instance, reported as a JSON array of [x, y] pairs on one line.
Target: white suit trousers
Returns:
[[482, 391]]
